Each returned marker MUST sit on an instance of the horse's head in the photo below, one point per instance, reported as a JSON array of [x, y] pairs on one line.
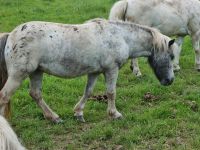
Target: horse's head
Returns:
[[161, 59]]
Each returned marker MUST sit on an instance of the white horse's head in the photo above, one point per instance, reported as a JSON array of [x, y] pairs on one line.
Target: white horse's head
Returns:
[[161, 59]]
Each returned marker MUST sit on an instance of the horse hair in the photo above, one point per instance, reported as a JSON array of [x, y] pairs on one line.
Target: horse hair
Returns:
[[8, 138], [3, 69]]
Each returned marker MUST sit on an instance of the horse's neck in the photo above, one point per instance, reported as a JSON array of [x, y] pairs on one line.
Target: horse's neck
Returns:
[[140, 42]]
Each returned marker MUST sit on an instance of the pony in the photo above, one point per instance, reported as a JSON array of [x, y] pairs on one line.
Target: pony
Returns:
[[8, 138], [68, 51], [172, 17]]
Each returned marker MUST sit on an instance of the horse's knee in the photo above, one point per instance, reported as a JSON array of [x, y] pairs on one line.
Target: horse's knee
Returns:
[[135, 67], [111, 95], [4, 99], [35, 95], [5, 109]]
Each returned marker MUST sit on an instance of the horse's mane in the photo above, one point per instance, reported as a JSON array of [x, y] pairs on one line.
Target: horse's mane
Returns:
[[8, 139], [159, 40]]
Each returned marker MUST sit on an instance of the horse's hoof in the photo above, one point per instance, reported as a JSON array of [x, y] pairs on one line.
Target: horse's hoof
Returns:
[[176, 68], [58, 121], [116, 116], [197, 67], [80, 119], [138, 74]]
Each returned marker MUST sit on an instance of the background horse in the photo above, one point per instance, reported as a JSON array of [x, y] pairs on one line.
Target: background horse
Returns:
[[172, 17], [8, 138], [98, 46]]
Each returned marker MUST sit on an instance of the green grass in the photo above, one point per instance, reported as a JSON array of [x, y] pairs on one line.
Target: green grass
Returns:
[[165, 123]]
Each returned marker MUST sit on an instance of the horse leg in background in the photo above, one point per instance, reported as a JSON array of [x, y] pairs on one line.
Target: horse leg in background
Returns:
[[111, 80], [135, 67], [9, 88], [179, 41], [36, 94], [78, 109], [195, 42]]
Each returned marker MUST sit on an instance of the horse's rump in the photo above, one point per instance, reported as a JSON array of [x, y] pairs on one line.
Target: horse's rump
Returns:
[[119, 10]]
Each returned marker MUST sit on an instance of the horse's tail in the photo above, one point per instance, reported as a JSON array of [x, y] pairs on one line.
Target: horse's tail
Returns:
[[119, 10], [3, 68], [8, 138]]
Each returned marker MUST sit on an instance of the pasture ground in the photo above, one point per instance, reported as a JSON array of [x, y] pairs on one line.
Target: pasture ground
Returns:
[[169, 121]]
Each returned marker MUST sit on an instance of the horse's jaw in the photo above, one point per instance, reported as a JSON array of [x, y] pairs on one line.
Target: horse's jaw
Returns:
[[138, 53]]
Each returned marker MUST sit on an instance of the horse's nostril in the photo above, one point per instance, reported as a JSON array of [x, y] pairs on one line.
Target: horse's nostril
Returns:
[[167, 81]]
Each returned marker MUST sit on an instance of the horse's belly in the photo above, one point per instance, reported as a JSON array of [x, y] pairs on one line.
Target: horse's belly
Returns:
[[69, 70]]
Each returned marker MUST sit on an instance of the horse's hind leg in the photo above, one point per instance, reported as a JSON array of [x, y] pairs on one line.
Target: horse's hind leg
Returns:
[[111, 80], [36, 94], [12, 83], [135, 67], [78, 109], [196, 46]]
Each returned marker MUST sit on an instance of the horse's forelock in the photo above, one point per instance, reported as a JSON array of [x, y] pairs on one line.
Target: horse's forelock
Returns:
[[160, 42]]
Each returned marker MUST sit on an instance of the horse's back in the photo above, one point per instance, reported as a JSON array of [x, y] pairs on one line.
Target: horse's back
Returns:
[[167, 16], [64, 50]]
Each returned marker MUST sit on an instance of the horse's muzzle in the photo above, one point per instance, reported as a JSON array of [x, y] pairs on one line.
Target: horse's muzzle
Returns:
[[167, 81]]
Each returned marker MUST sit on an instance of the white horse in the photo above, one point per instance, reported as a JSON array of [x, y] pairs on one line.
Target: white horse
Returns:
[[172, 17], [98, 46], [8, 138]]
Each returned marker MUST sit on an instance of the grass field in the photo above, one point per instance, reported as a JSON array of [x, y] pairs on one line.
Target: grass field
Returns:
[[171, 121]]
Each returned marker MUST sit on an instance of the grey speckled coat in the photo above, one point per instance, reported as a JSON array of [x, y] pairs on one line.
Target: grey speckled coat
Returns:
[[98, 46]]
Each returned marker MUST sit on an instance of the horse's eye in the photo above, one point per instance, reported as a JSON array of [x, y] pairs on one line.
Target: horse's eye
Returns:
[[172, 56]]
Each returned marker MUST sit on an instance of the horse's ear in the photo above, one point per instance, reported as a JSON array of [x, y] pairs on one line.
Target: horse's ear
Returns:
[[171, 42]]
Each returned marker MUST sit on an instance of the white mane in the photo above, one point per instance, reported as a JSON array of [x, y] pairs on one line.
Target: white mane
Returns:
[[8, 139], [160, 41]]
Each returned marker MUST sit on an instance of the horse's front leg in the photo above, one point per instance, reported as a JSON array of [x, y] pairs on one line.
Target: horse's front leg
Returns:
[[78, 109], [135, 67], [36, 94], [111, 80], [177, 52]]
